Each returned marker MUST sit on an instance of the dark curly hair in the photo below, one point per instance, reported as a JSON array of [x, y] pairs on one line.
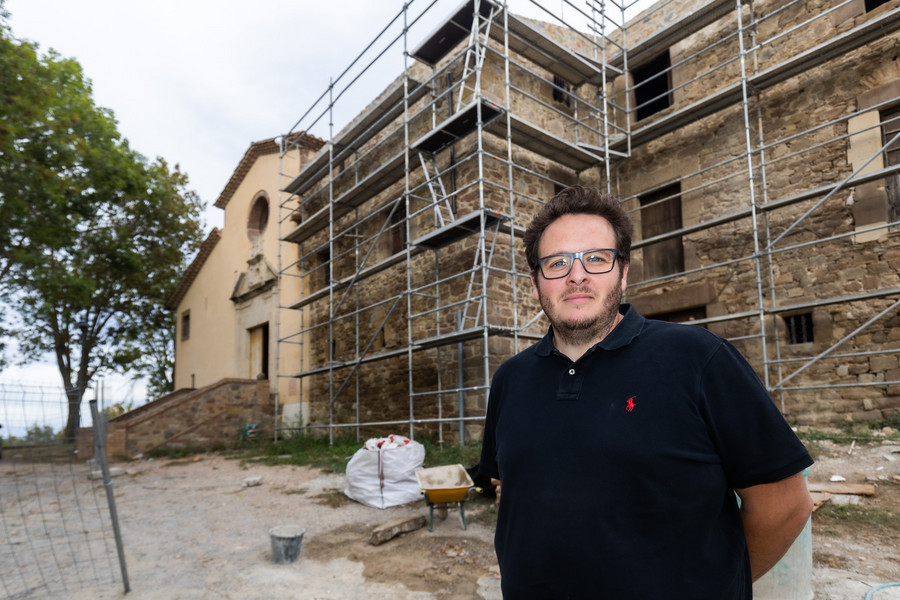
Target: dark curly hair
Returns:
[[580, 200]]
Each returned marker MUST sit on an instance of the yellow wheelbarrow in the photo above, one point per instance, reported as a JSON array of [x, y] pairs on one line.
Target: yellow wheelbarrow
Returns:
[[444, 487]]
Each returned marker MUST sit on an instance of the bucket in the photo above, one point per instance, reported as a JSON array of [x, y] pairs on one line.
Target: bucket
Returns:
[[286, 540], [791, 577]]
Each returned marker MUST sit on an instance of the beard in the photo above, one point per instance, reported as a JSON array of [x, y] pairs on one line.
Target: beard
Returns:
[[586, 329]]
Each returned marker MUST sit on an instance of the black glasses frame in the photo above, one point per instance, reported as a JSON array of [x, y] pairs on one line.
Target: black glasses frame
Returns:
[[573, 256]]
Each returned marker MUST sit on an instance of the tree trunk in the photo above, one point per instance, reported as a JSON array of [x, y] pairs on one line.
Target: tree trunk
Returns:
[[74, 419]]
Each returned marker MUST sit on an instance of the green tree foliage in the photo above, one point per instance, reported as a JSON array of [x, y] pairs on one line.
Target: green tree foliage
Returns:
[[116, 409], [95, 237]]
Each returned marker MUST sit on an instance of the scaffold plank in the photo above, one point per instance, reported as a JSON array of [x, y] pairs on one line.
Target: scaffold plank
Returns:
[[458, 126], [458, 229], [450, 33], [388, 108], [542, 142], [369, 186], [530, 42]]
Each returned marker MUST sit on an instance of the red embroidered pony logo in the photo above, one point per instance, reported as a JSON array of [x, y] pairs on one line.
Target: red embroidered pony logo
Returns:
[[629, 406]]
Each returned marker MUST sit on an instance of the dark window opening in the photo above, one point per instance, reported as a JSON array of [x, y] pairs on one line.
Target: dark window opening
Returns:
[[265, 351], [652, 86], [873, 4], [890, 126], [661, 213], [185, 325], [323, 258], [561, 91], [685, 315], [799, 328], [398, 229], [259, 217]]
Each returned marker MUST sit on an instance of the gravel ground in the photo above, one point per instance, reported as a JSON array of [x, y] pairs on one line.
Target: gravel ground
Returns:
[[194, 528]]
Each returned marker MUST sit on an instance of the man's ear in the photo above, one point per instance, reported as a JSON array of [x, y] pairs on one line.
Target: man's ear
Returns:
[[534, 287]]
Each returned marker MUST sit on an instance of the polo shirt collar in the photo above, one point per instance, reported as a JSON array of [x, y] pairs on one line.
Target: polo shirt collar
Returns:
[[622, 334]]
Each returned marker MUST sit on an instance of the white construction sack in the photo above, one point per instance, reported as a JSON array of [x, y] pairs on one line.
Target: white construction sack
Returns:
[[383, 472]]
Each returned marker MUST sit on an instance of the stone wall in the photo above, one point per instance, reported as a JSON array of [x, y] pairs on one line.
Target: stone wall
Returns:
[[810, 113], [210, 417]]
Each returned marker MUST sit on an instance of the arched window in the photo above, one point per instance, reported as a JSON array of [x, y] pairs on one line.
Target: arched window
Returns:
[[259, 216]]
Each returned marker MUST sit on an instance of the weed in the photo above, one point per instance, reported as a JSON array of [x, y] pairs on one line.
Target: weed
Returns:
[[849, 514], [482, 511], [318, 452]]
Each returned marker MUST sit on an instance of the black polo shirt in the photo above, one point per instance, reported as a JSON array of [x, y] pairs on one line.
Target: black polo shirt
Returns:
[[618, 470]]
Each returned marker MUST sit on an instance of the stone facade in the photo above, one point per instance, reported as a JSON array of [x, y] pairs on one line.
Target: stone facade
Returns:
[[803, 126]]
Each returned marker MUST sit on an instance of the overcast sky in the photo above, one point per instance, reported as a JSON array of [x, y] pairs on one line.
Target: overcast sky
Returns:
[[196, 82]]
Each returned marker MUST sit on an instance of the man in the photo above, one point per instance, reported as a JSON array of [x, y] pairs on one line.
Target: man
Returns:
[[620, 441]]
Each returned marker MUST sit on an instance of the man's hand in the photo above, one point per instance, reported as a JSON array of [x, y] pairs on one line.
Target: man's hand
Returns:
[[774, 514], [496, 483]]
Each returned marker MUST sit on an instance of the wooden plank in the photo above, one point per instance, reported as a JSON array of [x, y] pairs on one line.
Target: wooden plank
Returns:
[[841, 487], [819, 499]]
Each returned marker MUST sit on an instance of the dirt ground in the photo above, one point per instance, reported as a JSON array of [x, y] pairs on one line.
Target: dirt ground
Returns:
[[194, 528], [851, 555]]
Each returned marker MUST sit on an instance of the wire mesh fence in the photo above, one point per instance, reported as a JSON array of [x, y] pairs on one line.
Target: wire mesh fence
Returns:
[[55, 513]]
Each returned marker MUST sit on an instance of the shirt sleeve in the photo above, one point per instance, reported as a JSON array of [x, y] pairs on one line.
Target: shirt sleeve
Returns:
[[487, 465], [753, 439]]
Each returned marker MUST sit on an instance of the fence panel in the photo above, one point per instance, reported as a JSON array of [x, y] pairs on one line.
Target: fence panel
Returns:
[[54, 515]]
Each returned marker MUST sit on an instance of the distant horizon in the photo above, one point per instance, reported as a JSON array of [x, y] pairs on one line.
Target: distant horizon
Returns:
[[25, 404]]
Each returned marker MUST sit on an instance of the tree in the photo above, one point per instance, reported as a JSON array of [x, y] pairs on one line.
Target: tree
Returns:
[[49, 132], [97, 236]]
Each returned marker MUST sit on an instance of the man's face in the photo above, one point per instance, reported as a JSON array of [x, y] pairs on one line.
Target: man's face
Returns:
[[581, 307]]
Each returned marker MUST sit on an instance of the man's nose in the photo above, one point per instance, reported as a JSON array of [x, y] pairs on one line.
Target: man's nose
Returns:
[[577, 272]]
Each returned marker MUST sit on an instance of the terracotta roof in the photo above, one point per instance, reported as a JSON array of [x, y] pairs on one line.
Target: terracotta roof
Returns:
[[193, 270], [261, 148]]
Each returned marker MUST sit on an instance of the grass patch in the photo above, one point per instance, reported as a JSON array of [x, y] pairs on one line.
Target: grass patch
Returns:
[[841, 437], [318, 452], [484, 513], [854, 515], [861, 432], [181, 453], [43, 453]]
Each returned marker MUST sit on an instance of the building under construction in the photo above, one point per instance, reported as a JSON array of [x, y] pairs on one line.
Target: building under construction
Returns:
[[754, 143]]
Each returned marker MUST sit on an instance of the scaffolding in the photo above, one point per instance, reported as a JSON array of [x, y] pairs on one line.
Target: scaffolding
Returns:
[[746, 201]]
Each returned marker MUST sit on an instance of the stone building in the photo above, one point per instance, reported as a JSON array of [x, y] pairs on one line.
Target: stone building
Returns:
[[753, 146]]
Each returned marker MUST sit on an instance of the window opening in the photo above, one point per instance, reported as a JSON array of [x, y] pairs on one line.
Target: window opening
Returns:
[[259, 217], [873, 4], [799, 328], [890, 126], [323, 257], [661, 213], [685, 315], [185, 325], [561, 91], [652, 86], [398, 229], [259, 352]]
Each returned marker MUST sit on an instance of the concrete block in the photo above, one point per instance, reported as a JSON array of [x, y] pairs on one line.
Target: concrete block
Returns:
[[113, 472], [390, 530]]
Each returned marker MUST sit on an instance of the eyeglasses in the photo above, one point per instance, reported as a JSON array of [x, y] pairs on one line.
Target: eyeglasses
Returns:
[[595, 262]]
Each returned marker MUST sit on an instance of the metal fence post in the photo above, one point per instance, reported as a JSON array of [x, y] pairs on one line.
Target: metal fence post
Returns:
[[100, 456]]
